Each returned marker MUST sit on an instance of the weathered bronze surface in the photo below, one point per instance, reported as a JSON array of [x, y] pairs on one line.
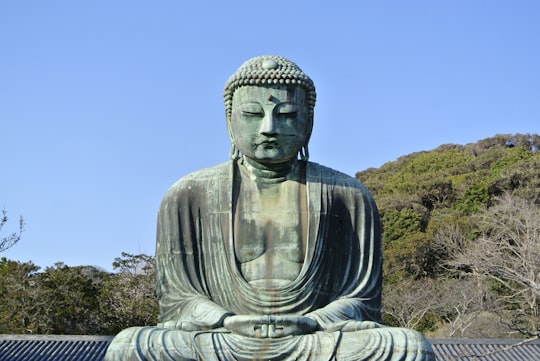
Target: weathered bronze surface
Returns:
[[269, 256]]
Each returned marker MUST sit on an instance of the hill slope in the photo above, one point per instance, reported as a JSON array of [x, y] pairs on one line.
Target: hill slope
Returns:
[[428, 200]]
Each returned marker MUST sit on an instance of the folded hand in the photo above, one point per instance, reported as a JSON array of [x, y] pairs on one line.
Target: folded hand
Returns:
[[270, 326]]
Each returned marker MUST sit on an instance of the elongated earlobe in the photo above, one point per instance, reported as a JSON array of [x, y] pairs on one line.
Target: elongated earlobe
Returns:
[[234, 154], [304, 153]]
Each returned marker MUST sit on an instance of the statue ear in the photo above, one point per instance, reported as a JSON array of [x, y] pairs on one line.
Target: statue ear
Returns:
[[229, 130], [304, 153], [234, 153], [309, 127]]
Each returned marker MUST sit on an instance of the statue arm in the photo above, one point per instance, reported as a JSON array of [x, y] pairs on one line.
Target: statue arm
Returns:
[[360, 296], [337, 314], [194, 314], [182, 300]]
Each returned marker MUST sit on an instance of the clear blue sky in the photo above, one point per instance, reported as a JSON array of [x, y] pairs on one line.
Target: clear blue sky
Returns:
[[105, 103]]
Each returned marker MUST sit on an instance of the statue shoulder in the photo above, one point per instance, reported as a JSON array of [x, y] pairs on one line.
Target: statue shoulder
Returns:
[[341, 186], [198, 180], [317, 172]]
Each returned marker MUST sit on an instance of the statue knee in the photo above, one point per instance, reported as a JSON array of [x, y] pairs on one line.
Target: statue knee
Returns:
[[389, 343], [414, 343], [123, 344], [126, 336]]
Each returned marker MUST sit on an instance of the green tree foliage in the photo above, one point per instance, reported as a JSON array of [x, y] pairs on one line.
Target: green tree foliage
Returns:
[[71, 300], [128, 298], [59, 300], [401, 223], [20, 299], [77, 300], [450, 183]]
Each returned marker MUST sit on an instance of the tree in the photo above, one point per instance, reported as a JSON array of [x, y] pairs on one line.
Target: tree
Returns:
[[507, 255], [462, 304], [128, 298], [71, 305], [60, 300], [408, 303], [20, 298], [13, 238]]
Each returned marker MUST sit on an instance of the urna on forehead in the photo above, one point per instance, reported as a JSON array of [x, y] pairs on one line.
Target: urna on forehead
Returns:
[[269, 70]]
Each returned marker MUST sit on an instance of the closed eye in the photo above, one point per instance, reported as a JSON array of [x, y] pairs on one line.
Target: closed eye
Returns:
[[252, 114], [289, 114], [251, 110]]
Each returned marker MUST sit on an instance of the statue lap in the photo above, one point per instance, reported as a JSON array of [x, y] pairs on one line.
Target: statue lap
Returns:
[[379, 343]]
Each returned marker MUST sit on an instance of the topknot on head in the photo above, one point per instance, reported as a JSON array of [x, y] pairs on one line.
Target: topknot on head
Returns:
[[269, 70]]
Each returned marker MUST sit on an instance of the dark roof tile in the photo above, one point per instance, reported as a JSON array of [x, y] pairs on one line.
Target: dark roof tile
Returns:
[[52, 347], [486, 349], [93, 348]]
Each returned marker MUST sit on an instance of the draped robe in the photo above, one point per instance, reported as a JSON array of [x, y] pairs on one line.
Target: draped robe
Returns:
[[199, 282]]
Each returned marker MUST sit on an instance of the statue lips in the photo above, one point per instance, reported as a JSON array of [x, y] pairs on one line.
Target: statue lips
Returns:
[[268, 143], [272, 142]]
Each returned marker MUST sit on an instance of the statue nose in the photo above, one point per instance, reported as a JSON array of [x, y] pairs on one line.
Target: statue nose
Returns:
[[268, 124]]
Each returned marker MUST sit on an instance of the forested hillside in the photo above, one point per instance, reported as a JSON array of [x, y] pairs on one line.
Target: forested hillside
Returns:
[[461, 237], [82, 300], [461, 243]]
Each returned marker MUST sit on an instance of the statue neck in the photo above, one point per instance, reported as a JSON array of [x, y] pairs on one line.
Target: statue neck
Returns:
[[271, 172]]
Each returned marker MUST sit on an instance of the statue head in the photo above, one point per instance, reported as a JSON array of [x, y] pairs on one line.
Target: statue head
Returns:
[[263, 81]]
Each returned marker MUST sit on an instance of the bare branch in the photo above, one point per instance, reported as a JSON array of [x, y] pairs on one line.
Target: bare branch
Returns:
[[507, 252], [13, 238]]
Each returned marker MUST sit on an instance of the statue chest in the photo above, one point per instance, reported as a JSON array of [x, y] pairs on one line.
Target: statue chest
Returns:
[[270, 230]]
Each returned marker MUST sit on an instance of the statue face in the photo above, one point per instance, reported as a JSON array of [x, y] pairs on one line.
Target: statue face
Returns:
[[269, 124]]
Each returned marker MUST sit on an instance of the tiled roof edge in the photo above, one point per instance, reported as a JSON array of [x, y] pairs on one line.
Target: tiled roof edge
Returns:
[[481, 341], [54, 337]]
